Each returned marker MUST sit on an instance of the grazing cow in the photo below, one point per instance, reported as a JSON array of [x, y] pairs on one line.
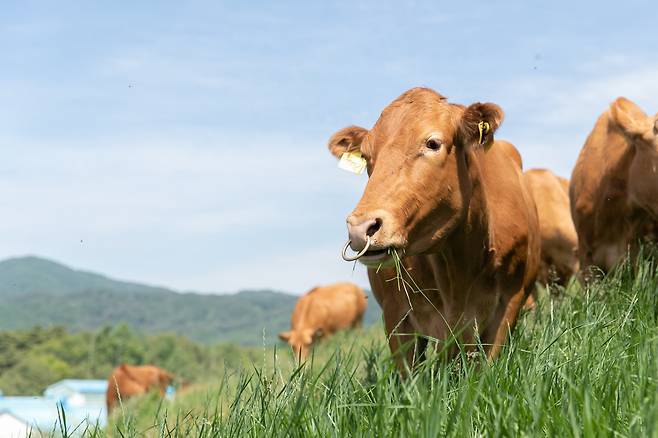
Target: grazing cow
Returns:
[[614, 186], [127, 381], [323, 311], [451, 202], [559, 242]]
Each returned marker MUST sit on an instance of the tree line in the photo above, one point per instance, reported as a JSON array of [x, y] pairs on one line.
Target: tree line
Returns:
[[33, 359]]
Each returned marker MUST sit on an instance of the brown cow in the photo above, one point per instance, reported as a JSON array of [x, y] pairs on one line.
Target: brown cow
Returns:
[[127, 381], [451, 201], [614, 186], [559, 242], [323, 311]]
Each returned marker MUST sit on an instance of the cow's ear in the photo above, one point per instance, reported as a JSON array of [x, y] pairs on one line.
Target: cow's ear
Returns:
[[629, 117], [346, 140], [478, 124], [284, 336]]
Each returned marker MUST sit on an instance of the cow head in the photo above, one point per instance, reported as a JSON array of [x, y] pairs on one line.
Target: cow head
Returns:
[[164, 379], [301, 340], [641, 131], [418, 157]]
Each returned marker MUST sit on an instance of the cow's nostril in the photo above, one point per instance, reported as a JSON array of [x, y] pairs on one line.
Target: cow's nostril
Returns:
[[372, 229]]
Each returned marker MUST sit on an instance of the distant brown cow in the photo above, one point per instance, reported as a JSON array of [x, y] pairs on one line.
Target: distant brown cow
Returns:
[[323, 311], [559, 242], [127, 381], [452, 203], [614, 186]]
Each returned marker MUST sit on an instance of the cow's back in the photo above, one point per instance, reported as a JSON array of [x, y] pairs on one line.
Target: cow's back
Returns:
[[511, 151], [330, 308], [558, 235], [120, 386], [127, 381]]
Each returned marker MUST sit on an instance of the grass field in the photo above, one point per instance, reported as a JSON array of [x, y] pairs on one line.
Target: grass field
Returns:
[[583, 363]]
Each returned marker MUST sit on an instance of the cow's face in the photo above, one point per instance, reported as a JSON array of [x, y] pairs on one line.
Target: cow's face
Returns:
[[418, 164], [642, 132], [300, 341], [165, 379]]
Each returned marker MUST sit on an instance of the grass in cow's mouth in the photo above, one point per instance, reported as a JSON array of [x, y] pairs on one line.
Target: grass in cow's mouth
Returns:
[[406, 282], [584, 363], [407, 285]]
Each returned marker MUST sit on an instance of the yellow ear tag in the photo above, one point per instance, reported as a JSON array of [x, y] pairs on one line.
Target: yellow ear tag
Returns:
[[483, 127], [352, 162]]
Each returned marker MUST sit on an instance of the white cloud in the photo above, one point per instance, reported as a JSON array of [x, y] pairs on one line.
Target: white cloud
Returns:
[[168, 211], [577, 103], [565, 101], [548, 118], [225, 181]]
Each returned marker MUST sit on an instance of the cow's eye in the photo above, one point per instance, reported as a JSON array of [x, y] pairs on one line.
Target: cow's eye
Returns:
[[433, 144]]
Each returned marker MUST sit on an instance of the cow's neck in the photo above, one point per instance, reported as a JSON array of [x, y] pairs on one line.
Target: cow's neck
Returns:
[[465, 256]]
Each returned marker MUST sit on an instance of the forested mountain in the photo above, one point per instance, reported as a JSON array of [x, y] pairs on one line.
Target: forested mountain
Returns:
[[36, 291]]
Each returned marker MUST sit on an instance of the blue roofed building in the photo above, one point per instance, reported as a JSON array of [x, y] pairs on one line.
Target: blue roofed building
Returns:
[[78, 392], [82, 401]]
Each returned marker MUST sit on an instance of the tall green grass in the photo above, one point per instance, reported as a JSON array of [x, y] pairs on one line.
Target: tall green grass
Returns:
[[584, 362]]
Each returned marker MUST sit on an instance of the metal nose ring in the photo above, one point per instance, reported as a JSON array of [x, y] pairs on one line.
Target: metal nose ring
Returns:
[[360, 254]]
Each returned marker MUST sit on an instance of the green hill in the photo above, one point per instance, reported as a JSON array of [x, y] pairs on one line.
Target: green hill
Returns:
[[36, 291], [34, 275]]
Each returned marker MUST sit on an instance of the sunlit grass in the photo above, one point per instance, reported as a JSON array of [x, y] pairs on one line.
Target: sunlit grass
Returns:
[[583, 363]]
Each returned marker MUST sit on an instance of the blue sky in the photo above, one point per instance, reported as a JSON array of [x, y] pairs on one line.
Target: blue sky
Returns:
[[183, 143]]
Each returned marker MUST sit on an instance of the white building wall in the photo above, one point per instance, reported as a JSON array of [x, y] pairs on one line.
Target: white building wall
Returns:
[[12, 427]]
